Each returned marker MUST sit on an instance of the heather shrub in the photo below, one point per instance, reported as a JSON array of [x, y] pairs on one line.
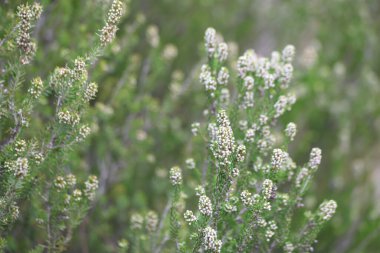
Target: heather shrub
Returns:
[[34, 145], [249, 187], [151, 113]]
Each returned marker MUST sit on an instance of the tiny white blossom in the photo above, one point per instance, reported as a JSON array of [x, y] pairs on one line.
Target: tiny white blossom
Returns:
[[151, 221], [77, 194], [195, 128], [189, 217], [60, 183], [225, 141], [315, 158], [137, 221], [190, 163], [279, 158], [223, 76], [199, 191], [246, 198], [204, 205], [240, 153], [36, 87], [327, 209], [91, 185], [291, 130], [90, 91], [267, 188], [210, 41], [175, 176], [210, 240], [222, 52], [289, 247], [249, 82], [20, 146], [288, 53]]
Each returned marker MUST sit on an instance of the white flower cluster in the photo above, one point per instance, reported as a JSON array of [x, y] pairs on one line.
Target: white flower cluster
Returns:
[[249, 82], [289, 247], [38, 157], [91, 185], [210, 77], [151, 221], [83, 132], [68, 118], [27, 14], [291, 130], [205, 206], [14, 211], [268, 188], [62, 77], [212, 131], [261, 222], [327, 209], [225, 141], [283, 198], [71, 180], [77, 194], [210, 240], [137, 221], [199, 190], [20, 146], [175, 176], [79, 71], [248, 100], [36, 88], [263, 119], [222, 52], [315, 158], [288, 53], [246, 198], [208, 80], [245, 63], [275, 71], [279, 158], [223, 76], [210, 41], [229, 207], [269, 233], [195, 128], [108, 32], [240, 153], [190, 163], [235, 172], [189, 217], [170, 52], [60, 183], [153, 36], [19, 167], [284, 103], [250, 135], [90, 91]]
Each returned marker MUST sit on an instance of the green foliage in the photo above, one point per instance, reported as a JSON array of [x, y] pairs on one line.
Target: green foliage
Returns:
[[31, 161]]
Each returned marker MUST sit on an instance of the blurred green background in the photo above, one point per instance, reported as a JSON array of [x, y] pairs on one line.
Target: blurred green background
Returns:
[[149, 95]]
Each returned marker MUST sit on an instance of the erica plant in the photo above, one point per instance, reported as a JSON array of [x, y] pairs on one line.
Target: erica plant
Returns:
[[249, 192], [32, 161]]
